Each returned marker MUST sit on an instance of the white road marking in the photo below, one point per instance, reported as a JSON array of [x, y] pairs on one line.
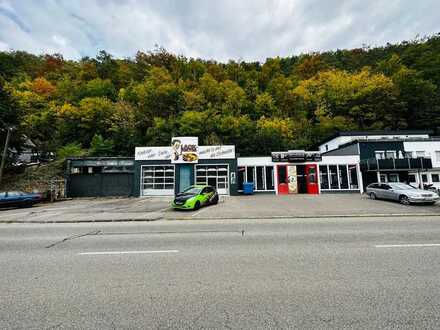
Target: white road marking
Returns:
[[125, 252], [407, 245]]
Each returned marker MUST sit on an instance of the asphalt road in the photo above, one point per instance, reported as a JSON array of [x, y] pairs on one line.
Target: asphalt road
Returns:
[[306, 274]]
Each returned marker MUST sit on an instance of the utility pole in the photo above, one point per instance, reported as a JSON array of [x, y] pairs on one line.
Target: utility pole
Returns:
[[5, 152]]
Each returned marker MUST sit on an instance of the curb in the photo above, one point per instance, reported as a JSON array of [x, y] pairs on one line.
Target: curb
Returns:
[[377, 215], [388, 215], [78, 221]]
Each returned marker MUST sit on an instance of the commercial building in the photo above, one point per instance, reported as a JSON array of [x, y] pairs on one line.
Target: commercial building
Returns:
[[345, 163]]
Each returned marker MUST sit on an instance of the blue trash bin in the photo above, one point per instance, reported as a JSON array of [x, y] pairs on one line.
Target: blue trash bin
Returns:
[[248, 188]]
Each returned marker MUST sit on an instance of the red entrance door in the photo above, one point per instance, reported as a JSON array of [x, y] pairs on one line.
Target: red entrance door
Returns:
[[312, 179], [283, 186]]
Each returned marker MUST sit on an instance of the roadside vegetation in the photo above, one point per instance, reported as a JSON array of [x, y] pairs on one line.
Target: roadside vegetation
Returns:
[[107, 106]]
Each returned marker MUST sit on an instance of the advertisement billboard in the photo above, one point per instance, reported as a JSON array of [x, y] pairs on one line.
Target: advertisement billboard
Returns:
[[185, 149]]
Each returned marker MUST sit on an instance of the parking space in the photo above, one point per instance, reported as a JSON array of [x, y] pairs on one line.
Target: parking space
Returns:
[[90, 209], [267, 206], [229, 207]]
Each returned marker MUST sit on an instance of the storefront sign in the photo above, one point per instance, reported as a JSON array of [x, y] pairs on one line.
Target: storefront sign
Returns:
[[152, 153], [185, 149], [182, 148], [296, 156], [217, 152]]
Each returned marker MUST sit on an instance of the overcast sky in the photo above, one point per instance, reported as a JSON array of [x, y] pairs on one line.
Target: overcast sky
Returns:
[[211, 29]]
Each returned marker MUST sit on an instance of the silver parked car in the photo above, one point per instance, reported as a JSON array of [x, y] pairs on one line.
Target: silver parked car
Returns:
[[401, 192]]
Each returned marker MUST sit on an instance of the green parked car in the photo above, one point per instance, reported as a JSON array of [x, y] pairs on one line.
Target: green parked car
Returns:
[[195, 197]]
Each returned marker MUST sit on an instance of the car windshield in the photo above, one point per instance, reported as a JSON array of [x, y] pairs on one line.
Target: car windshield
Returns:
[[192, 190], [401, 186]]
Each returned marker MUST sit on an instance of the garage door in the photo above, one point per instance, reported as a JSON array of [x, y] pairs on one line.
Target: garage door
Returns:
[[214, 175], [157, 180]]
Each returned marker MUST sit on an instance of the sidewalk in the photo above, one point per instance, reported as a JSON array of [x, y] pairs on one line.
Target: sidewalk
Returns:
[[233, 207], [307, 206], [89, 210]]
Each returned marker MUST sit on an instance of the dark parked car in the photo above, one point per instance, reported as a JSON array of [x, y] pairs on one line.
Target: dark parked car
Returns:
[[401, 192], [18, 199]]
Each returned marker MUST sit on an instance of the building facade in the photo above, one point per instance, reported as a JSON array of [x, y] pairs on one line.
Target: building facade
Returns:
[[345, 163]]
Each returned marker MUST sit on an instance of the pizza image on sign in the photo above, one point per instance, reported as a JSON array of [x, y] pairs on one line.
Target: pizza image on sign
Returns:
[[190, 157]]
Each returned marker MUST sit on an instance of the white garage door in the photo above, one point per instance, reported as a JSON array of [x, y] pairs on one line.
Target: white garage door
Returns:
[[157, 180], [214, 175]]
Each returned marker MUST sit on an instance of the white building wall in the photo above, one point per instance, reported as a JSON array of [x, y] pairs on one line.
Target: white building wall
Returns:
[[254, 161], [429, 147], [339, 140]]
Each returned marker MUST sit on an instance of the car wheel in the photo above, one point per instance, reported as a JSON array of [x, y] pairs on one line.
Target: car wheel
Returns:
[[197, 205], [215, 200], [373, 196], [404, 200]]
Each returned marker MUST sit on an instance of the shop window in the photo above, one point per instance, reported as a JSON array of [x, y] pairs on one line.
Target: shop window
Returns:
[[260, 178], [383, 178], [343, 176], [352, 175], [411, 178], [250, 174], [435, 178], [323, 173], [424, 178], [269, 178], [240, 179], [334, 182]]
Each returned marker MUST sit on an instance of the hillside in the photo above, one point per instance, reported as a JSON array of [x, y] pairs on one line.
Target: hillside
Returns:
[[107, 106]]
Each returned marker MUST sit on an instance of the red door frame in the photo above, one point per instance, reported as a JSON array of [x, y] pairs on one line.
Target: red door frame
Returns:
[[283, 188], [312, 184]]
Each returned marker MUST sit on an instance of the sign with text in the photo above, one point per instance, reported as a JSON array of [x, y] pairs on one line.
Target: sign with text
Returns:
[[217, 152], [152, 153], [185, 149]]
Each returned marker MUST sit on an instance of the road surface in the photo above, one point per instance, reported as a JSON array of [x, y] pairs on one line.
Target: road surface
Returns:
[[250, 274]]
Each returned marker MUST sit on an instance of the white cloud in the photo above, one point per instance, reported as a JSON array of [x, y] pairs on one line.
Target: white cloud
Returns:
[[222, 30]]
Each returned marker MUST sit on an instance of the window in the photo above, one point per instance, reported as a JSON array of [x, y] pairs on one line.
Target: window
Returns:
[[312, 175], [352, 176], [393, 177], [435, 178], [326, 147], [383, 178], [241, 175], [343, 177], [250, 174], [260, 178], [379, 154], [269, 178], [424, 178], [390, 154], [323, 174], [334, 181], [411, 178], [437, 156]]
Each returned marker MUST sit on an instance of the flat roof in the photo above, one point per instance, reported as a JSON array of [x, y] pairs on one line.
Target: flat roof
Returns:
[[376, 132]]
